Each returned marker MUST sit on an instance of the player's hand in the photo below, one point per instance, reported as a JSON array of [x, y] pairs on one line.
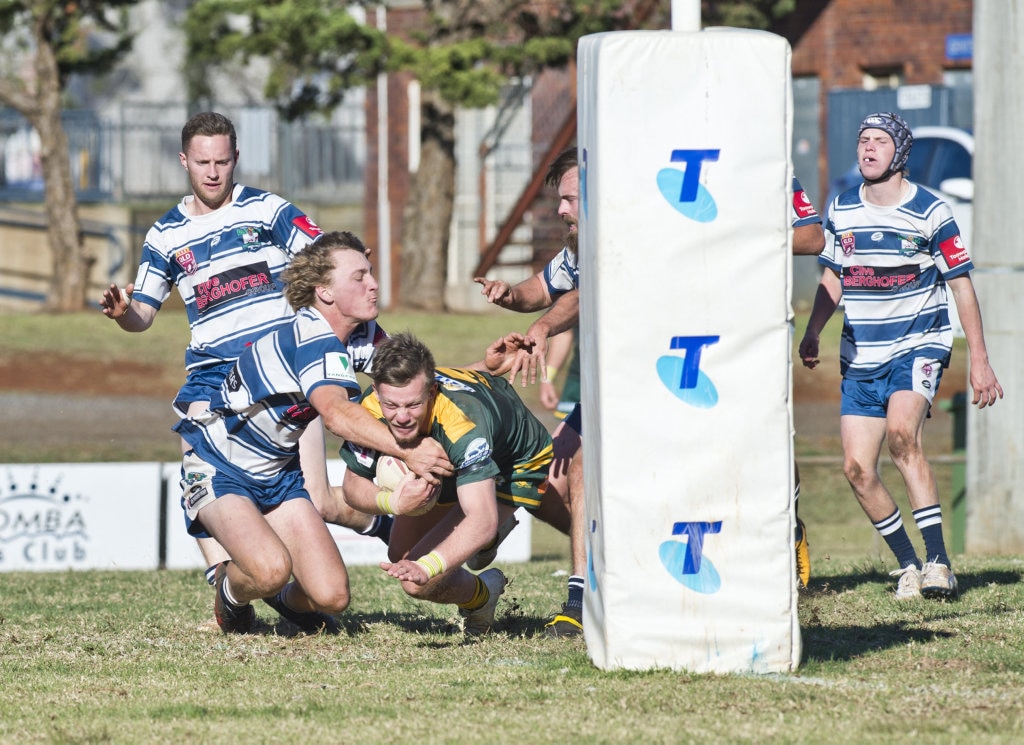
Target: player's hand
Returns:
[[115, 301], [428, 460], [809, 351], [548, 395], [406, 571], [413, 496], [985, 386], [531, 360], [497, 291], [501, 353]]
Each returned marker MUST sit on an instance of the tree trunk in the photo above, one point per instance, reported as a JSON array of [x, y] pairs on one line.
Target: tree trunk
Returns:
[[427, 217], [71, 265]]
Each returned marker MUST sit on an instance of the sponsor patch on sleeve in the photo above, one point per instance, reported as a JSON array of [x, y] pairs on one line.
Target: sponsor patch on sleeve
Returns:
[[802, 204], [338, 366], [954, 252], [307, 226]]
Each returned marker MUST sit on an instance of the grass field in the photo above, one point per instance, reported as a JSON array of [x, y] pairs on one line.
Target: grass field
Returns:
[[95, 657]]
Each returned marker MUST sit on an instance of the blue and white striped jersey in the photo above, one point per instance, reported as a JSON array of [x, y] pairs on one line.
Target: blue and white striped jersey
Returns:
[[562, 274], [893, 263], [257, 416], [226, 266]]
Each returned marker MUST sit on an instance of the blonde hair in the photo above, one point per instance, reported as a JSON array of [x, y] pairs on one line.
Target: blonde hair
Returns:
[[313, 265]]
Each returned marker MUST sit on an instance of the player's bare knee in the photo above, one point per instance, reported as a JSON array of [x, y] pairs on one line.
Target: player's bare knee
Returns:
[[334, 602], [270, 573]]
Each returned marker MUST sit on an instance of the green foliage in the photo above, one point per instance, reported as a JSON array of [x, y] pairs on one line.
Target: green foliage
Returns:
[[75, 30], [759, 14], [316, 50]]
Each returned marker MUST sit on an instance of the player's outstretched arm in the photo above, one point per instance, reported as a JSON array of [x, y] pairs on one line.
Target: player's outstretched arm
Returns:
[[525, 297]]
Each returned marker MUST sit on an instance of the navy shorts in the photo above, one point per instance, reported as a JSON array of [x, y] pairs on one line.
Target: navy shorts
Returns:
[[202, 483], [871, 397]]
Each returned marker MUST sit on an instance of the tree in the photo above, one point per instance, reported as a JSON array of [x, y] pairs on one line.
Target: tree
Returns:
[[464, 53], [54, 39]]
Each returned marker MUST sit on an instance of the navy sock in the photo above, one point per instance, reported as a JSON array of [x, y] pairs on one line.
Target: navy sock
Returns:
[[380, 527], [575, 592], [895, 535], [211, 574], [929, 522]]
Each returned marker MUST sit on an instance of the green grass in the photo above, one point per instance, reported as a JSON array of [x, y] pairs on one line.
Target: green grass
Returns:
[[89, 657], [129, 657]]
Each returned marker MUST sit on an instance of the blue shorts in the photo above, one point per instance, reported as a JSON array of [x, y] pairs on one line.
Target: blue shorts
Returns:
[[200, 383], [203, 482], [871, 397]]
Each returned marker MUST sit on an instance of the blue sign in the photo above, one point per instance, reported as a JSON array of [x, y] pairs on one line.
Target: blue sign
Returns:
[[959, 46]]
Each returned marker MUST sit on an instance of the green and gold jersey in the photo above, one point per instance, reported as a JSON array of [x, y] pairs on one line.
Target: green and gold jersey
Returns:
[[487, 432]]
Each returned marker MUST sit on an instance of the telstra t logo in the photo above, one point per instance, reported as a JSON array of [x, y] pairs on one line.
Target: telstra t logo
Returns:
[[686, 562], [683, 189], [683, 376]]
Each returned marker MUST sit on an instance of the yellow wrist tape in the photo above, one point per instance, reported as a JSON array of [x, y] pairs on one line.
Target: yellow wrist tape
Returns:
[[433, 563], [384, 501], [552, 372]]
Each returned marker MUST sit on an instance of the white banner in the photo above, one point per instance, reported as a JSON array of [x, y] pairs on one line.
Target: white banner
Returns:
[[685, 305], [59, 516]]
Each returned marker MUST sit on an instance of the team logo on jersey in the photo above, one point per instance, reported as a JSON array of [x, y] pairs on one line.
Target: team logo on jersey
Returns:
[[909, 244], [848, 243], [307, 226], [478, 451], [683, 377], [954, 252], [248, 235], [685, 559], [683, 190], [186, 260]]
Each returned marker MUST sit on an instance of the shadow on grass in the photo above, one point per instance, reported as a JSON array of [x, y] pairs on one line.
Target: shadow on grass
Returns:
[[966, 580], [824, 642], [844, 643]]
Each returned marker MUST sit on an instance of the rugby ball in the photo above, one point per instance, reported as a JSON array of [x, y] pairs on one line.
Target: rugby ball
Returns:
[[390, 471]]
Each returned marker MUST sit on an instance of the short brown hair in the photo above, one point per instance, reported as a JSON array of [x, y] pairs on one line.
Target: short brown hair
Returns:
[[208, 124], [313, 265], [565, 161], [400, 358]]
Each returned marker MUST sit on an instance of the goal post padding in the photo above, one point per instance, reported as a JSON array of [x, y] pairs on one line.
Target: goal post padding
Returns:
[[684, 143]]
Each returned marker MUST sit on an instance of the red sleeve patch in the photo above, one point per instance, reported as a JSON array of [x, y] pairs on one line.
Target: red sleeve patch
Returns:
[[953, 252], [307, 226], [802, 204]]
